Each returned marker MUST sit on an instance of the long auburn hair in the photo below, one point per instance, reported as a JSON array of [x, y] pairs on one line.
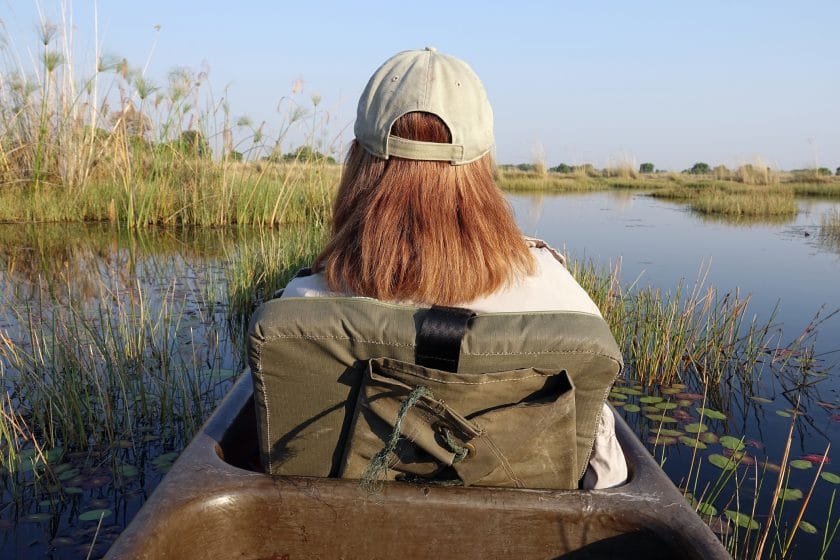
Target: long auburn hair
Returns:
[[422, 231]]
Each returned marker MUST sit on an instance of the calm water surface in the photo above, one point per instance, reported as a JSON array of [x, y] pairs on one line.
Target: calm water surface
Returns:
[[657, 243]]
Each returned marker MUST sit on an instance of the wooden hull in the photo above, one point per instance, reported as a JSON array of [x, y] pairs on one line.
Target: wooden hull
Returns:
[[211, 505]]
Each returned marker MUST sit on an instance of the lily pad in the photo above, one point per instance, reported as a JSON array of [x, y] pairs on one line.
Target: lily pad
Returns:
[[38, 517], [616, 404], [710, 413], [733, 443], [618, 396], [670, 390], [127, 470], [666, 432], [783, 413], [631, 407], [695, 427], [721, 462], [762, 400], [662, 418], [666, 405], [693, 442], [830, 477], [801, 464], [650, 409], [627, 390], [705, 508], [67, 475], [662, 440], [73, 490], [808, 528], [742, 520], [791, 494], [684, 402], [650, 399], [95, 514], [709, 437]]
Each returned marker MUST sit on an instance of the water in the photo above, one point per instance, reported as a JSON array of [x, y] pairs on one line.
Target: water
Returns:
[[658, 243], [786, 264]]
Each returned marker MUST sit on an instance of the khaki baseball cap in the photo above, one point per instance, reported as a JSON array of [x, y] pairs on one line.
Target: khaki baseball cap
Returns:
[[425, 80]]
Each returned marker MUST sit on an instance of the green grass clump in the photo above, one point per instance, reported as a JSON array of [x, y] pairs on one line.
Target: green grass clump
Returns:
[[745, 205], [826, 189]]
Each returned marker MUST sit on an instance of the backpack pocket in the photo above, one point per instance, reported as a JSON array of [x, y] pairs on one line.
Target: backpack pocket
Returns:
[[509, 428]]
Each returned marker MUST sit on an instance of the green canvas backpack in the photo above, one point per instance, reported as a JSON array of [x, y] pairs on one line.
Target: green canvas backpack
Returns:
[[515, 404]]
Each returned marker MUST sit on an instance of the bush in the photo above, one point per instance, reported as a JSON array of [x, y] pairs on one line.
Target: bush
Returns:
[[565, 168], [825, 171], [646, 168], [699, 168], [837, 172]]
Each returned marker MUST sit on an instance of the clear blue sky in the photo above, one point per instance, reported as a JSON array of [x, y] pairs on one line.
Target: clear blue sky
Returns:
[[589, 81]]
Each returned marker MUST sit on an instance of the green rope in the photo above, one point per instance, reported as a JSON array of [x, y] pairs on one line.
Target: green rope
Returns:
[[378, 467], [460, 452]]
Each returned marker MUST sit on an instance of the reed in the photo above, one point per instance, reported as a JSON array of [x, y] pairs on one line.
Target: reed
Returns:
[[106, 143], [829, 234], [694, 331]]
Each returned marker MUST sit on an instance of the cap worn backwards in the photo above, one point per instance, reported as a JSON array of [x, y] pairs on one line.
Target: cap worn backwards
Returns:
[[425, 80]]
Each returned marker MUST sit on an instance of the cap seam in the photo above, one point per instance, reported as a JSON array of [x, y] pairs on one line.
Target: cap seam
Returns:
[[428, 78]]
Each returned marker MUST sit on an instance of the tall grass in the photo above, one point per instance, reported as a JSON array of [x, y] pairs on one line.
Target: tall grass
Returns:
[[106, 143], [691, 331]]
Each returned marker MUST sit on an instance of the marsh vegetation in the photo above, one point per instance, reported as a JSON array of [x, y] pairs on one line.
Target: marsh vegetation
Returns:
[[118, 339]]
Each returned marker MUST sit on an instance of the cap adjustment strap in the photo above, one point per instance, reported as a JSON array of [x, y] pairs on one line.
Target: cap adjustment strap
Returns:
[[414, 149]]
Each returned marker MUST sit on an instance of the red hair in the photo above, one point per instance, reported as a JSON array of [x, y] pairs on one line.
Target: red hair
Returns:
[[422, 231]]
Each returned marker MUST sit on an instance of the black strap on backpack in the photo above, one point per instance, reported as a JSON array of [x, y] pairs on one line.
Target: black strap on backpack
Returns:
[[438, 343]]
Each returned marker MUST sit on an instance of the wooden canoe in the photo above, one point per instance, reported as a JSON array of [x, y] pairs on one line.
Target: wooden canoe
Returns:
[[214, 504]]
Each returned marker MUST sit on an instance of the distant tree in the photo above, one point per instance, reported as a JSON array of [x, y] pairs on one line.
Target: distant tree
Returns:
[[824, 171], [646, 168], [307, 154], [192, 143], [837, 172], [562, 168], [699, 168], [233, 155], [526, 167]]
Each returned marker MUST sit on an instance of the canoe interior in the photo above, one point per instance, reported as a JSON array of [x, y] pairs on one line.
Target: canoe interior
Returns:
[[215, 503]]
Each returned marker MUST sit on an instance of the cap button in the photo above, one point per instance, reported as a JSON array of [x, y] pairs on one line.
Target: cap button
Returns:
[[431, 49]]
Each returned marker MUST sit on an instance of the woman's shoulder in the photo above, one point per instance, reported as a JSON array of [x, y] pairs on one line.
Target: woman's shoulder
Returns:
[[311, 285], [550, 288]]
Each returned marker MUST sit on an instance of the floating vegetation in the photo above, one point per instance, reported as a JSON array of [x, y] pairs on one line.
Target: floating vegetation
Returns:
[[692, 442], [662, 440], [801, 464], [791, 494], [830, 477], [722, 462], [733, 443], [709, 437], [808, 527], [695, 428], [666, 432], [742, 520], [95, 514], [710, 413], [661, 418]]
